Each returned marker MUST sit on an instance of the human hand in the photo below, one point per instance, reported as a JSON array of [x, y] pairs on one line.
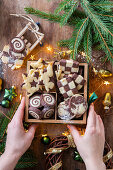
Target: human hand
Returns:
[[18, 141], [91, 145]]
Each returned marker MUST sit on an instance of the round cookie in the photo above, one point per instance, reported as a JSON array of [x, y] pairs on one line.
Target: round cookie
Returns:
[[36, 113], [64, 111], [47, 112], [17, 45], [35, 101], [77, 105], [48, 100]]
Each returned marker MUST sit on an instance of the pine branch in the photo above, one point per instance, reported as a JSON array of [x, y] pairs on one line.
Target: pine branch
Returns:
[[44, 15], [78, 35], [27, 160], [64, 4], [104, 5], [88, 42], [68, 12], [94, 18], [104, 44], [5, 122]]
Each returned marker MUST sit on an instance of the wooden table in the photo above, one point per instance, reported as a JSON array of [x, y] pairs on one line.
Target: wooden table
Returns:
[[9, 27]]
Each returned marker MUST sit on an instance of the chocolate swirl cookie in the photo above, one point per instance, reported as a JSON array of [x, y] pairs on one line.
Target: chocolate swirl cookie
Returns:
[[35, 101], [48, 100], [17, 45]]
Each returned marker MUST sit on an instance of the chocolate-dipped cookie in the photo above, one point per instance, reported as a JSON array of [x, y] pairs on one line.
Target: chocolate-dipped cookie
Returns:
[[35, 101], [36, 113], [48, 100], [48, 112], [77, 105], [64, 111]]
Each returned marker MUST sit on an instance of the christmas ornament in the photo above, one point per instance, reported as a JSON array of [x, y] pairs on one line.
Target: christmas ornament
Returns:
[[77, 156], [45, 140], [92, 98], [5, 103], [103, 73], [0, 84], [107, 101], [10, 94]]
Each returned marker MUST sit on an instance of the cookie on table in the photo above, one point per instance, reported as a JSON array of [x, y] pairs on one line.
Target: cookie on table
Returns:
[[30, 84], [35, 113], [69, 66], [77, 105], [67, 87], [48, 100], [64, 111], [79, 81], [35, 101], [48, 112]]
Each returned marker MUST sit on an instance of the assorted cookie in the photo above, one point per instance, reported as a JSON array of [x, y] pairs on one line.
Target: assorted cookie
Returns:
[[42, 106], [39, 78], [67, 87], [65, 79], [73, 107]]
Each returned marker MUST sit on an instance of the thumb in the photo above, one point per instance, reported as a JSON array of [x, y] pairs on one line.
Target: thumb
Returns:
[[31, 131], [74, 132]]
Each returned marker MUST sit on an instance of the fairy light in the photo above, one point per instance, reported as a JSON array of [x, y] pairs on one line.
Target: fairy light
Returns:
[[32, 57], [83, 54], [18, 67], [107, 82], [20, 96], [49, 48]]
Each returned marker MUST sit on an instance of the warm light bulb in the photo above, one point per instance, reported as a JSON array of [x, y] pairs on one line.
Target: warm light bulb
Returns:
[[49, 48], [106, 82], [83, 54]]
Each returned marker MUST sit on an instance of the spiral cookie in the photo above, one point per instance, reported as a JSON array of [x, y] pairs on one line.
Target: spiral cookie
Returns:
[[35, 101], [17, 45], [64, 111], [47, 112], [77, 105], [35, 113], [47, 100]]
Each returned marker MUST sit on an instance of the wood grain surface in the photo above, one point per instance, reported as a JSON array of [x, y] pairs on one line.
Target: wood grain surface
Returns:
[[9, 28]]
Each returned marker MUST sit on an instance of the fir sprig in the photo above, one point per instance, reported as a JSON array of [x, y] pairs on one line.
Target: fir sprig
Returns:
[[93, 25]]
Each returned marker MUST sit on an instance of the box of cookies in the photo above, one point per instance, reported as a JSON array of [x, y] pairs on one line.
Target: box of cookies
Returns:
[[56, 91]]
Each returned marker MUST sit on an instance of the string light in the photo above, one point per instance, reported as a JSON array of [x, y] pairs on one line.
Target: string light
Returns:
[[107, 82], [49, 48], [32, 57]]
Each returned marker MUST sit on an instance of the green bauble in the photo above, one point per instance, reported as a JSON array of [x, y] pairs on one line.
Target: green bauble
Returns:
[[45, 140], [5, 103], [10, 94], [77, 156]]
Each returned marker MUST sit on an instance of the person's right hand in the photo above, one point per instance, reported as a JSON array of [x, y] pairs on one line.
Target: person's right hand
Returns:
[[91, 145]]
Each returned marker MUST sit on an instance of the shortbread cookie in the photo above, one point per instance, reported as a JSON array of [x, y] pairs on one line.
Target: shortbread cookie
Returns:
[[69, 66], [67, 87], [64, 111], [35, 113], [77, 105], [79, 81]]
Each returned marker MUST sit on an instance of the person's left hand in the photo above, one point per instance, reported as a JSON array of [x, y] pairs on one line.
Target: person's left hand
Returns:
[[18, 141]]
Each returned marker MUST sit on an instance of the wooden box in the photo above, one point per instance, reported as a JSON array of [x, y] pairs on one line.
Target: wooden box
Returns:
[[83, 91]]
